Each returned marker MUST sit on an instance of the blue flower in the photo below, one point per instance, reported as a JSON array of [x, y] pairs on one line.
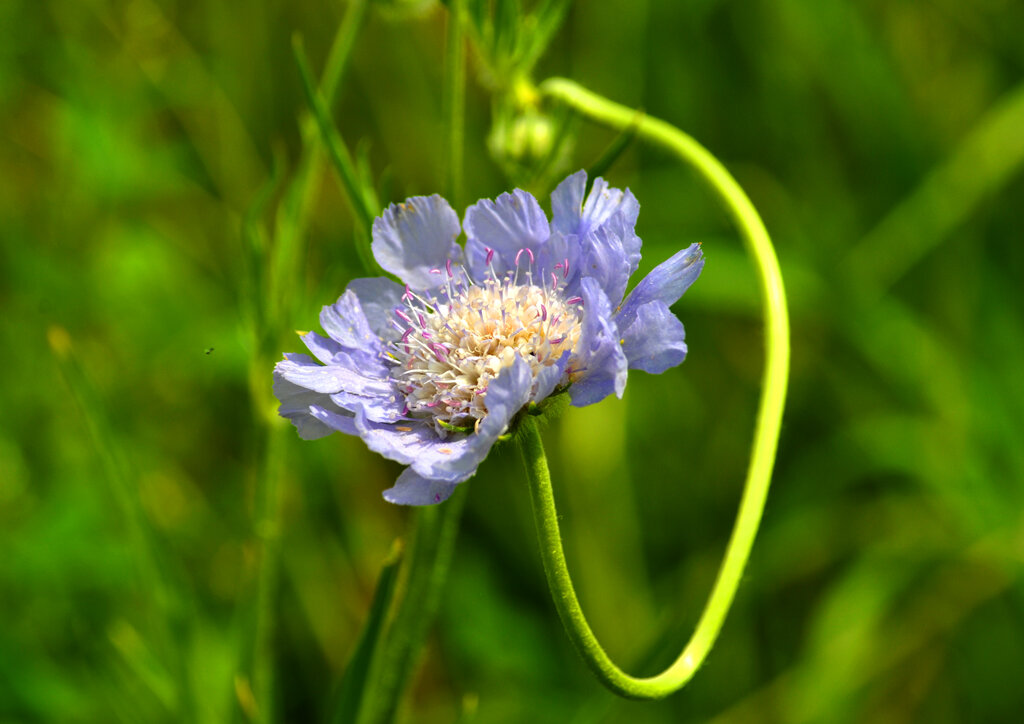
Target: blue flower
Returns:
[[432, 373]]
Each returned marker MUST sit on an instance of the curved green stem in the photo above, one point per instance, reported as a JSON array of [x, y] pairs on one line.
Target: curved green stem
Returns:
[[766, 434]]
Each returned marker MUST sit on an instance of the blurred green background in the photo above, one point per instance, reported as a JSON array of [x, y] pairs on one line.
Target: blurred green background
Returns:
[[881, 140]]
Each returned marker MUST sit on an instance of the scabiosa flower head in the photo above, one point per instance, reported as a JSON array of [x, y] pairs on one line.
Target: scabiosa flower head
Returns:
[[431, 373]]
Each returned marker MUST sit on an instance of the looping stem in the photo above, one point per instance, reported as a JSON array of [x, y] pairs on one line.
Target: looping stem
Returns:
[[766, 434]]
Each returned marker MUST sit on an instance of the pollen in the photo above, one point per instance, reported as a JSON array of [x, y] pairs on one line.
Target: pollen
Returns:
[[452, 345]]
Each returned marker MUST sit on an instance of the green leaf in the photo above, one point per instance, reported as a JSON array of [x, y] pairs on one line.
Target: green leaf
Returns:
[[352, 690]]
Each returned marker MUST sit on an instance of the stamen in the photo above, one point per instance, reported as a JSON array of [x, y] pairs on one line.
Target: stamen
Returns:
[[450, 350]]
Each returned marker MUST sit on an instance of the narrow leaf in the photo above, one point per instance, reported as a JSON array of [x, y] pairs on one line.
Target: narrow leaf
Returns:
[[352, 691]]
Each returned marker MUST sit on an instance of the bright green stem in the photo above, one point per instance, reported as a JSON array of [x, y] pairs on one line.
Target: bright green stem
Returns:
[[426, 569], [455, 101], [766, 434], [363, 208]]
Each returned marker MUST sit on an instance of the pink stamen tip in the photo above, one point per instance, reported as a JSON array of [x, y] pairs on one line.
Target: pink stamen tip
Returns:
[[448, 267], [554, 280], [442, 354], [437, 497], [490, 255], [423, 322], [575, 300], [565, 269], [405, 337], [403, 315], [543, 313], [435, 271], [519, 253], [408, 293]]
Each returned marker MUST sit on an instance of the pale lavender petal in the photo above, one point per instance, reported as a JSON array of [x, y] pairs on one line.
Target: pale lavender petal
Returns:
[[666, 283], [457, 457], [416, 237], [548, 377], [572, 215], [343, 375], [611, 253], [340, 421], [603, 363], [413, 489], [567, 203], [603, 202], [655, 341], [378, 297], [508, 225], [345, 323], [379, 408], [349, 382], [295, 406], [323, 348], [506, 395]]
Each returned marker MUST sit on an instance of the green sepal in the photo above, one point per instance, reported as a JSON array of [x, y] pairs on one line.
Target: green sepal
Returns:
[[551, 407], [455, 428]]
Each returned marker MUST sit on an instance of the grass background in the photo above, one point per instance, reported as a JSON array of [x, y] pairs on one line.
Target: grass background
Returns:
[[883, 144]]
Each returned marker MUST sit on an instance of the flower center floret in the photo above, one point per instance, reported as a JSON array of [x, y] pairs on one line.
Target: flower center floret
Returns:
[[455, 343]]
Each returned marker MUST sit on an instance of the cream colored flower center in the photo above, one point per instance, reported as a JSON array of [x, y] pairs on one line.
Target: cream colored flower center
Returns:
[[451, 351]]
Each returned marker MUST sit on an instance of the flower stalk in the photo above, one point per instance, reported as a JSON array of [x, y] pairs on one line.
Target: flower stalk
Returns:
[[766, 435]]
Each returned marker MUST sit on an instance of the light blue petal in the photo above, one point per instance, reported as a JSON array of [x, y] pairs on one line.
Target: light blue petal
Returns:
[[295, 406], [611, 253], [666, 283], [655, 341], [567, 203], [547, 379], [599, 353], [507, 225], [456, 458], [603, 202], [340, 421], [379, 297], [345, 323], [323, 348], [417, 236], [413, 489], [572, 215], [344, 374], [380, 408]]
